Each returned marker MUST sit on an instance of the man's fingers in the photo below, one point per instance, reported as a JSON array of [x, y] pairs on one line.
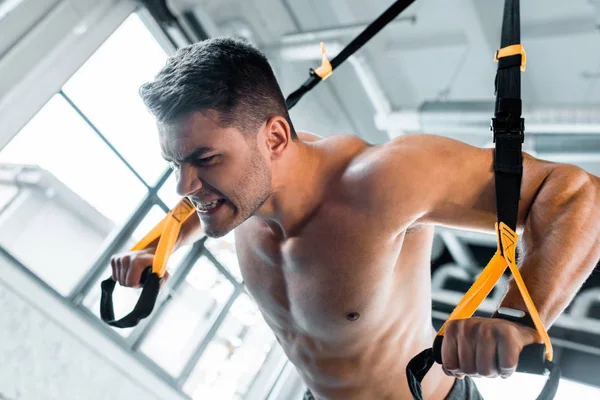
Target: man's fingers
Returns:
[[450, 361], [121, 271], [113, 266], [466, 355], [134, 274], [484, 347], [485, 355], [127, 268], [508, 355]]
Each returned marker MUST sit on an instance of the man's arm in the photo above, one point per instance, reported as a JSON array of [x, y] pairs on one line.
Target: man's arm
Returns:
[[127, 267], [561, 241], [437, 180], [427, 179]]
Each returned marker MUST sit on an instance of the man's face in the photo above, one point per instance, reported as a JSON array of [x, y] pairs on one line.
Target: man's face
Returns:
[[219, 169]]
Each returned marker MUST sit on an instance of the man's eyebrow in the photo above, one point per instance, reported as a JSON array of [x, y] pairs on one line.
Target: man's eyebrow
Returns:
[[196, 153]]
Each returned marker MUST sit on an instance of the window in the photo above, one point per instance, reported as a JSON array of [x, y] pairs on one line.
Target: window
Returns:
[[73, 177], [168, 192], [81, 191], [223, 249], [188, 316], [9, 186], [106, 88], [235, 355], [78, 191], [126, 298]]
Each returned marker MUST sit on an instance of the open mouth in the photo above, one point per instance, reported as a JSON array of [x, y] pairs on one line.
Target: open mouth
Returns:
[[209, 207]]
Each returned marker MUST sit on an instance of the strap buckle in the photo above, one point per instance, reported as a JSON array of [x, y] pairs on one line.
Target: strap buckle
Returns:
[[512, 50], [325, 70], [508, 127]]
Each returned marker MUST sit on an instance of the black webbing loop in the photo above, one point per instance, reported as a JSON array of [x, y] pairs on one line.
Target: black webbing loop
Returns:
[[143, 307]]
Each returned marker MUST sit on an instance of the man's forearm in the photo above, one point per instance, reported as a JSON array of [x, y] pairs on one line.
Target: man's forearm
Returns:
[[561, 242]]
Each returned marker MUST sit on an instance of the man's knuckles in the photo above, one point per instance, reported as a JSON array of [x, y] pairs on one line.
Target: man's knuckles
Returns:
[[485, 337], [128, 267]]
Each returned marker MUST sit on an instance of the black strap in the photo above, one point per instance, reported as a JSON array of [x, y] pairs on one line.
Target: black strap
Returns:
[[416, 370], [143, 307], [374, 27], [510, 61], [509, 128]]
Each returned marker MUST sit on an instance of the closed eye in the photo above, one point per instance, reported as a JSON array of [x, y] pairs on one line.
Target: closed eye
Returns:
[[205, 160]]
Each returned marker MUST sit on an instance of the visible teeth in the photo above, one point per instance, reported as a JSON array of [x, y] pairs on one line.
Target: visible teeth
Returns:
[[207, 206]]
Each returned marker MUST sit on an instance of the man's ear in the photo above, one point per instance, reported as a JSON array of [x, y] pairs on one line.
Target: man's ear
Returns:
[[278, 135]]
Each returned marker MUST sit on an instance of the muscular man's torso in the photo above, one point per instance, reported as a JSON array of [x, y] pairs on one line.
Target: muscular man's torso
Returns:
[[348, 294]]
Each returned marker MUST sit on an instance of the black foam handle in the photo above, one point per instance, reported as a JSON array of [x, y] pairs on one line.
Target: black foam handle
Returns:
[[437, 348], [143, 307], [145, 275], [532, 359]]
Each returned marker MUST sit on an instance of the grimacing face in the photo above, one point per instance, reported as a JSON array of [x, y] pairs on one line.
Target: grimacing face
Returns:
[[218, 169]]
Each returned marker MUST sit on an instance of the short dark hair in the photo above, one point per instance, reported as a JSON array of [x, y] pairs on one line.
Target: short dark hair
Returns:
[[227, 75]]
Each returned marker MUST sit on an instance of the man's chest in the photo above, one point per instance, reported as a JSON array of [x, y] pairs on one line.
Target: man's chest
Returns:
[[335, 276]]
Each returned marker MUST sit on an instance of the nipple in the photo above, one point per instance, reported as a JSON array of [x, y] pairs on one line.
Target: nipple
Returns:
[[353, 316]]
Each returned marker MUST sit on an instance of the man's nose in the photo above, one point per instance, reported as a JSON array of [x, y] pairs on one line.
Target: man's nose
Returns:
[[188, 181]]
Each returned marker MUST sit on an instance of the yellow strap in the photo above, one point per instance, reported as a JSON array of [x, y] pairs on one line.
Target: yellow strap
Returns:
[[483, 285], [511, 51], [150, 236], [509, 244], [168, 231], [325, 70]]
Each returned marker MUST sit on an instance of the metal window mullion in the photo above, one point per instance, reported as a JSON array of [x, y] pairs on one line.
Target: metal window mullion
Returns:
[[269, 373], [162, 205], [88, 317], [142, 331], [12, 199], [163, 178], [144, 360], [83, 287], [237, 284], [163, 39], [193, 360], [103, 138]]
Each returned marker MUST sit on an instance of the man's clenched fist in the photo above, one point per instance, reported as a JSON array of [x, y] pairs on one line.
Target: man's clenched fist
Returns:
[[484, 346], [127, 268]]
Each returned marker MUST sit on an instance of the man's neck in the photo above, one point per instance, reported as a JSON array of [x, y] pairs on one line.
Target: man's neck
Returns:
[[298, 190]]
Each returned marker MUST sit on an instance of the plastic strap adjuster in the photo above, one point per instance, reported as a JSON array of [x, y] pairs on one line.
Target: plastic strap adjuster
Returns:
[[325, 70], [512, 50]]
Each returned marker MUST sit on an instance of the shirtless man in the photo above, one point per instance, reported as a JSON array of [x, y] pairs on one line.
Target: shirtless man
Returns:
[[334, 235]]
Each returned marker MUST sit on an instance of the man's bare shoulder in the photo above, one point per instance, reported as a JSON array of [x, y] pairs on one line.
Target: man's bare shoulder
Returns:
[[404, 158], [341, 143], [377, 162], [395, 177]]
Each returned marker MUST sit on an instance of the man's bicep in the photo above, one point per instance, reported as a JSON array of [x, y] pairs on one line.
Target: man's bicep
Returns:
[[462, 178], [465, 177], [443, 181]]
